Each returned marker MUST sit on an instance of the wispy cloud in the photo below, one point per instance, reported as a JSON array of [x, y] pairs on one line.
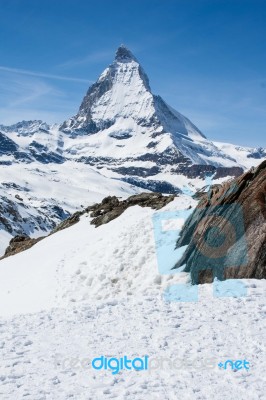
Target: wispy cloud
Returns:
[[98, 56], [27, 97], [42, 74], [31, 93]]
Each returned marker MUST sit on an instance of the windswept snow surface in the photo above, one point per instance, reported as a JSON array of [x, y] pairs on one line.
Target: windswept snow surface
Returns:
[[85, 292]]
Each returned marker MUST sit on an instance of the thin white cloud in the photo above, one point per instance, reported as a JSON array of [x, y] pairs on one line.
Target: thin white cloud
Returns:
[[27, 114], [88, 59], [26, 97], [42, 75]]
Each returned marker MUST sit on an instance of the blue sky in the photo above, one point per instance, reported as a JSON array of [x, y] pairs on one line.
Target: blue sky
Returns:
[[206, 58]]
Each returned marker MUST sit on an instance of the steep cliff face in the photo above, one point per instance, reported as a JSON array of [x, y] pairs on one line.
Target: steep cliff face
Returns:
[[226, 234]]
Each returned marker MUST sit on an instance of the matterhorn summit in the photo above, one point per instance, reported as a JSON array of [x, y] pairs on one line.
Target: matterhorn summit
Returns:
[[121, 102], [123, 126], [124, 129]]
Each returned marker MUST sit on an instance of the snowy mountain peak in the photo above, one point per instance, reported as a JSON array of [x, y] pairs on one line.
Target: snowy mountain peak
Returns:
[[128, 132], [121, 92], [121, 122], [123, 54], [25, 128]]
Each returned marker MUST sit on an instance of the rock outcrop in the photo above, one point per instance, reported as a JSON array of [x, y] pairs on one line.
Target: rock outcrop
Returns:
[[226, 234], [20, 243], [111, 207], [102, 213]]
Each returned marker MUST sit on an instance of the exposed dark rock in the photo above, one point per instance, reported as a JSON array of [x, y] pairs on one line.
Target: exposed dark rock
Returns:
[[68, 222], [10, 148], [226, 234], [18, 244], [17, 196], [12, 185], [203, 191], [43, 155], [7, 146], [111, 207], [123, 54], [257, 153], [5, 162], [170, 156], [223, 172], [137, 171], [18, 219], [200, 171], [153, 185], [121, 135], [152, 145]]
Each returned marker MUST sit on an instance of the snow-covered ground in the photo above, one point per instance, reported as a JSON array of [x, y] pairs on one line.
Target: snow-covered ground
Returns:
[[48, 355], [71, 184], [85, 292], [245, 156], [36, 191]]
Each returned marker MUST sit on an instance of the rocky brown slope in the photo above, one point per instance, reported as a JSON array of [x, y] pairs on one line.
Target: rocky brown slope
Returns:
[[110, 208], [226, 234]]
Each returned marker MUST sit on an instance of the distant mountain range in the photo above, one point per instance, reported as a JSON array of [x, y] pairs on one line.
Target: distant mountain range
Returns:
[[123, 136], [121, 122]]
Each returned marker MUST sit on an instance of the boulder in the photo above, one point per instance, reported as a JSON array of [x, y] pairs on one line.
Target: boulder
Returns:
[[226, 234]]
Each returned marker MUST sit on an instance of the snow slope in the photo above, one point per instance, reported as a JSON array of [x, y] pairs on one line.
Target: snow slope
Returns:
[[245, 156], [97, 291], [48, 355], [84, 291], [36, 197], [84, 263]]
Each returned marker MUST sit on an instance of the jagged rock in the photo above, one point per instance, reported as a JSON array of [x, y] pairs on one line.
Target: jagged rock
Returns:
[[68, 222], [200, 171], [203, 191], [102, 213], [153, 185], [17, 196], [18, 244], [7, 145], [226, 234], [111, 207], [18, 219]]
